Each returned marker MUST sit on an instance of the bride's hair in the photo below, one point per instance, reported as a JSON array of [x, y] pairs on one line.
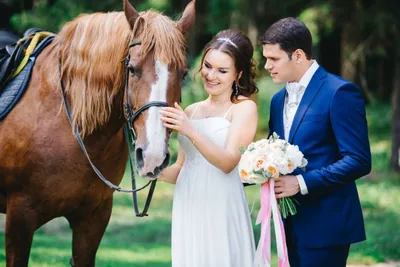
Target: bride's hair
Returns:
[[238, 46]]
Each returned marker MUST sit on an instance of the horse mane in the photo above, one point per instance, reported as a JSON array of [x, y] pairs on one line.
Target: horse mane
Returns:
[[91, 49]]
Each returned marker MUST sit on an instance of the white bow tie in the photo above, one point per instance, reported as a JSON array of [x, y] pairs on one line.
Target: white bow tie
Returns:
[[293, 90]]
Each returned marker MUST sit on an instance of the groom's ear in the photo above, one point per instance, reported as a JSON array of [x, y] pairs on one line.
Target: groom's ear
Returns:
[[299, 55]]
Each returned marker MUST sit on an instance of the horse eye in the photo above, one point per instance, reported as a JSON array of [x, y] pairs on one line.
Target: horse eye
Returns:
[[134, 71]]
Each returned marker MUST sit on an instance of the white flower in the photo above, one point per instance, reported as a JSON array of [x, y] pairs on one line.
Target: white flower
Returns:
[[267, 158], [271, 171], [294, 155]]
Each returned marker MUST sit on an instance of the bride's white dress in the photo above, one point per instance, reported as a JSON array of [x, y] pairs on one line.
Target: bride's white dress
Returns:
[[211, 226]]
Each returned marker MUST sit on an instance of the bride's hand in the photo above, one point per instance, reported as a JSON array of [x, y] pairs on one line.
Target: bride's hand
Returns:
[[176, 119]]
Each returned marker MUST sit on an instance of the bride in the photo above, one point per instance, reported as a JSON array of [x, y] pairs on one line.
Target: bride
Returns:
[[211, 225]]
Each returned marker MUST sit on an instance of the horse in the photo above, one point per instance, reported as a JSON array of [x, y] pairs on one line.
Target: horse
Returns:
[[101, 61]]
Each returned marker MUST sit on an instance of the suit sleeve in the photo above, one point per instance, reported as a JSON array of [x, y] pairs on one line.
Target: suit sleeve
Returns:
[[349, 125], [270, 124]]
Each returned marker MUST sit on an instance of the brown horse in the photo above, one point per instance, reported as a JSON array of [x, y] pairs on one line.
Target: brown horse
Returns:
[[43, 171]]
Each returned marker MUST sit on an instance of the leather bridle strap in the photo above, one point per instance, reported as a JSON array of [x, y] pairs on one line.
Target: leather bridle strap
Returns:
[[131, 117], [133, 180], [131, 140], [82, 145]]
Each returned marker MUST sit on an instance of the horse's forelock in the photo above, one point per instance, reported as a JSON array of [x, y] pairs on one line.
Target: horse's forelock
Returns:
[[161, 34]]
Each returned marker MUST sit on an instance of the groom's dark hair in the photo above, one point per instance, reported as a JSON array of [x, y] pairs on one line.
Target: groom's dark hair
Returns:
[[291, 34]]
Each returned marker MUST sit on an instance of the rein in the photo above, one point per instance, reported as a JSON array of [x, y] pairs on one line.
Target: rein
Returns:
[[131, 140]]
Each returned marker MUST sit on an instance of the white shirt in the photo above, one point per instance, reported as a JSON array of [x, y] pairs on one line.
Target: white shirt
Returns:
[[288, 117]]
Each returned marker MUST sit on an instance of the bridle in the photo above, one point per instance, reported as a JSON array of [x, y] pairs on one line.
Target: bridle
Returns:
[[130, 116], [129, 133]]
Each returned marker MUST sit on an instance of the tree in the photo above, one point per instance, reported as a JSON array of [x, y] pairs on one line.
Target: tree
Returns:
[[396, 116]]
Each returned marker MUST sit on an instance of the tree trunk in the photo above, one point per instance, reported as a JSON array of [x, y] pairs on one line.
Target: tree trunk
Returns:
[[396, 116], [329, 53], [348, 68]]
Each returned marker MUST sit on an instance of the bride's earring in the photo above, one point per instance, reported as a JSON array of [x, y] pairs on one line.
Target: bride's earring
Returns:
[[236, 89]]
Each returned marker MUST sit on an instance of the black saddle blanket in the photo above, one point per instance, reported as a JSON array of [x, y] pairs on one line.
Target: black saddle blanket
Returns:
[[12, 90]]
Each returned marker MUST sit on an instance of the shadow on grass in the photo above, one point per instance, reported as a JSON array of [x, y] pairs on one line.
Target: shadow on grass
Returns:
[[143, 243], [380, 201]]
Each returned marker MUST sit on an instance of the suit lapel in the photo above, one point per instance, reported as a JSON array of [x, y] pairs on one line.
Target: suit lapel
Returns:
[[311, 91], [280, 101]]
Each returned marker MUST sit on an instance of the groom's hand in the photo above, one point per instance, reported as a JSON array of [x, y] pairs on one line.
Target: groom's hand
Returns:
[[286, 186]]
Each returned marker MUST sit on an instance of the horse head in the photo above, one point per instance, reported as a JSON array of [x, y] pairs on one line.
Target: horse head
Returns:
[[155, 69]]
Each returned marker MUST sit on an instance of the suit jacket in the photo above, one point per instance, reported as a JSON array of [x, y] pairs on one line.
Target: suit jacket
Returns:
[[330, 128]]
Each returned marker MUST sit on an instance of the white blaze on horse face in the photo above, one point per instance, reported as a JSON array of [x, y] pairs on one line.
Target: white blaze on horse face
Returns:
[[155, 152]]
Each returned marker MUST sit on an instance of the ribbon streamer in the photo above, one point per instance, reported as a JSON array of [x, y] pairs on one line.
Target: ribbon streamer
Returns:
[[269, 206]]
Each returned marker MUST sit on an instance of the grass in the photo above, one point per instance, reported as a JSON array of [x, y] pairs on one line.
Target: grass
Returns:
[[379, 194], [380, 202], [131, 241]]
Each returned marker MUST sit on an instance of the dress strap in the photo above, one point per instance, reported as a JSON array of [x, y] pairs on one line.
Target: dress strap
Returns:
[[227, 112], [195, 109]]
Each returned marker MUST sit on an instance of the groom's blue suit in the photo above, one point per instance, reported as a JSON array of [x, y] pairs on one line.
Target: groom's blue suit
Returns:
[[330, 128]]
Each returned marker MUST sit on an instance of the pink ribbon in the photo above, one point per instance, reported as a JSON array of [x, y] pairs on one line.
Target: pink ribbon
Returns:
[[269, 206]]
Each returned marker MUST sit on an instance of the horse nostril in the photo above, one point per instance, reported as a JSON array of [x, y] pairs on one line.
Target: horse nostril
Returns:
[[165, 162], [139, 158]]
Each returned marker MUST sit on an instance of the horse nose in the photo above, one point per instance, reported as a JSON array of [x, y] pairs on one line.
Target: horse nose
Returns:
[[158, 169], [139, 158], [153, 172], [165, 162]]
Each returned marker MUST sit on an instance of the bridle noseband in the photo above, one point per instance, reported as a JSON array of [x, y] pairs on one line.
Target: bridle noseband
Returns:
[[130, 116]]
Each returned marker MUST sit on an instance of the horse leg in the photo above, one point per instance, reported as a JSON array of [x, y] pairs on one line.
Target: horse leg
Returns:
[[88, 230], [3, 205], [21, 223]]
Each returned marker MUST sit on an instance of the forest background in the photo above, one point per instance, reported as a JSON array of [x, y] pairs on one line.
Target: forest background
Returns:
[[357, 39]]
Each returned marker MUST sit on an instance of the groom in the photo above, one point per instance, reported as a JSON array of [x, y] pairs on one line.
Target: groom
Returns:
[[325, 116]]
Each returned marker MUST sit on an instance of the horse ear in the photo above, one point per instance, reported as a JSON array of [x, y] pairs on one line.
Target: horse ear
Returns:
[[130, 13], [187, 20]]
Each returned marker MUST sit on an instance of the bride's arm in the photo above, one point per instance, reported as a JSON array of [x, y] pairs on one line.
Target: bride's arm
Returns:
[[241, 133], [171, 173]]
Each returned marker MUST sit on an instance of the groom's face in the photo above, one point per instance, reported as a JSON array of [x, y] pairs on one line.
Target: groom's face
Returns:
[[281, 68]]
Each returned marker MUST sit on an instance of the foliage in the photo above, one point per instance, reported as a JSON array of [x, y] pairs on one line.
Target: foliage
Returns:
[[379, 126], [52, 17], [47, 18], [318, 19]]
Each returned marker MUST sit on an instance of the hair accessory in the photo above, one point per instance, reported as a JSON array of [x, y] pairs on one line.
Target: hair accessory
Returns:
[[227, 40]]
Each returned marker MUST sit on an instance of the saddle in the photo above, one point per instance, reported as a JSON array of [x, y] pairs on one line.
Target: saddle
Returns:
[[16, 64], [14, 57]]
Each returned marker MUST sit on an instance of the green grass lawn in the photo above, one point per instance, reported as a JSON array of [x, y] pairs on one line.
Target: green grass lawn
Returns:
[[131, 241]]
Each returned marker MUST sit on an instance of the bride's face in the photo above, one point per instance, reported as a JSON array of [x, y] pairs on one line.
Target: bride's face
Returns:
[[218, 72]]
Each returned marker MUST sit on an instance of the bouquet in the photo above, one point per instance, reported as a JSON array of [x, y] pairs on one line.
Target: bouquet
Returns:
[[268, 158], [262, 163]]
